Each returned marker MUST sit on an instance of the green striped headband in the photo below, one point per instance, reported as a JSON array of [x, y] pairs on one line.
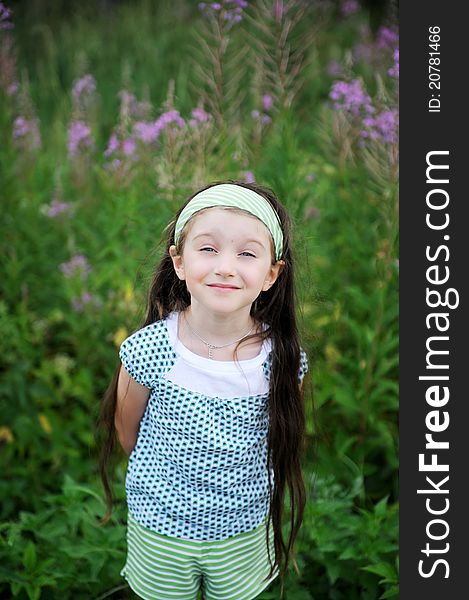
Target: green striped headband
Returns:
[[237, 196]]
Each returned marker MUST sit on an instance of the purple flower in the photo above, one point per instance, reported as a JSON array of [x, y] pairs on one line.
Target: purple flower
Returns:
[[113, 165], [382, 127], [58, 207], [79, 303], [267, 102], [126, 97], [363, 52], [230, 10], [5, 14], [86, 86], [249, 177], [21, 127], [146, 132], [76, 265], [172, 116], [112, 146], [13, 88], [349, 7], [351, 98], [129, 146], [85, 298], [394, 70], [79, 138], [387, 38], [310, 177], [200, 116], [131, 107], [279, 10], [262, 117], [26, 133]]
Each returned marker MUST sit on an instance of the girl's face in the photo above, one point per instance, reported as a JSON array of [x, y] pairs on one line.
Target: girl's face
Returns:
[[226, 260]]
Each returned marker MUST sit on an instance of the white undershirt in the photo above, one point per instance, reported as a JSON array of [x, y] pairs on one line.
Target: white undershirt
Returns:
[[215, 378]]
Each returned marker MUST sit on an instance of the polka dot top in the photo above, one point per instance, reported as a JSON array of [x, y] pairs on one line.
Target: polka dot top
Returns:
[[199, 467]]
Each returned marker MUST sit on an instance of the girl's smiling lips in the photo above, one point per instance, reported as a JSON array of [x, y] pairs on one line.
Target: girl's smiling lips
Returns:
[[223, 286]]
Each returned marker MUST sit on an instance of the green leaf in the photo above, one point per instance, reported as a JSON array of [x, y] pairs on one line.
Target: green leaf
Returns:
[[383, 569], [71, 488], [33, 591], [380, 507], [29, 556], [393, 592], [333, 572], [346, 398], [349, 552]]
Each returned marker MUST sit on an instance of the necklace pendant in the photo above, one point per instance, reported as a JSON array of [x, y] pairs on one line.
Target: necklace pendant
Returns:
[[211, 347]]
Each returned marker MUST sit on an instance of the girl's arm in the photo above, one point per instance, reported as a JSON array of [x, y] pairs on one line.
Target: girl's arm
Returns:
[[132, 398]]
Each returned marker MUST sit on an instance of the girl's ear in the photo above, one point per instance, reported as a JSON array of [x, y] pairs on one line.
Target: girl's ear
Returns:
[[273, 274], [177, 262]]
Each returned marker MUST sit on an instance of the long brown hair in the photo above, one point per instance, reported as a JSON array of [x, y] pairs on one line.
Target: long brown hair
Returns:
[[276, 309]]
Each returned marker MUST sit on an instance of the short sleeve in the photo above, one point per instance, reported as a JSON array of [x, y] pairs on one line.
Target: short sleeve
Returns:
[[267, 366], [303, 365], [137, 355]]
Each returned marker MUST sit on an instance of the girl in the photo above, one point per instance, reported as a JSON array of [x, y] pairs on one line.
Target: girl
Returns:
[[208, 402]]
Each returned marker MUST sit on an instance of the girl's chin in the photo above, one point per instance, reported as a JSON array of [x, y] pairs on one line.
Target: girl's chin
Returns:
[[218, 304], [223, 290]]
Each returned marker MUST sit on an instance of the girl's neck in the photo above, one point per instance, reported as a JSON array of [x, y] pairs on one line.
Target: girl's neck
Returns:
[[218, 330]]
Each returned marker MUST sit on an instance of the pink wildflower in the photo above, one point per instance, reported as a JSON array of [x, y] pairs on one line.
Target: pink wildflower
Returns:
[[5, 14], [129, 146], [58, 207], [79, 138], [267, 102], [26, 133], [76, 265]]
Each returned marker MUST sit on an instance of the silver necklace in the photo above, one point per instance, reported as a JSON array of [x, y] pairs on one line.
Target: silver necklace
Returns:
[[212, 347]]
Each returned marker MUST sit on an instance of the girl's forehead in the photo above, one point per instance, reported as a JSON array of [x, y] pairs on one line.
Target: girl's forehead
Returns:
[[216, 219]]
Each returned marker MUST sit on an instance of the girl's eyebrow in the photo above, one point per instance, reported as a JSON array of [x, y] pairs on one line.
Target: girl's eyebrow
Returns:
[[244, 241]]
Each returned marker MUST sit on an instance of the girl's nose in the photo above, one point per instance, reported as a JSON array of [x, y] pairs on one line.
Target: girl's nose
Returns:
[[225, 265]]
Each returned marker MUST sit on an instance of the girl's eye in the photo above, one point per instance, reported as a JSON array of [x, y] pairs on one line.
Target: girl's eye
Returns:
[[246, 253]]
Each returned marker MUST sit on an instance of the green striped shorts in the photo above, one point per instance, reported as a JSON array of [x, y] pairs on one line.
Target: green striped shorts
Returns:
[[160, 567]]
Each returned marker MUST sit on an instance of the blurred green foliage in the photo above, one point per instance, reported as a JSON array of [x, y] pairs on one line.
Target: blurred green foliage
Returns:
[[59, 348]]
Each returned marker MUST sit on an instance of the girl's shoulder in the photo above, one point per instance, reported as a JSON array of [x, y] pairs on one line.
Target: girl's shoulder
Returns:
[[303, 368], [145, 335], [147, 353]]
